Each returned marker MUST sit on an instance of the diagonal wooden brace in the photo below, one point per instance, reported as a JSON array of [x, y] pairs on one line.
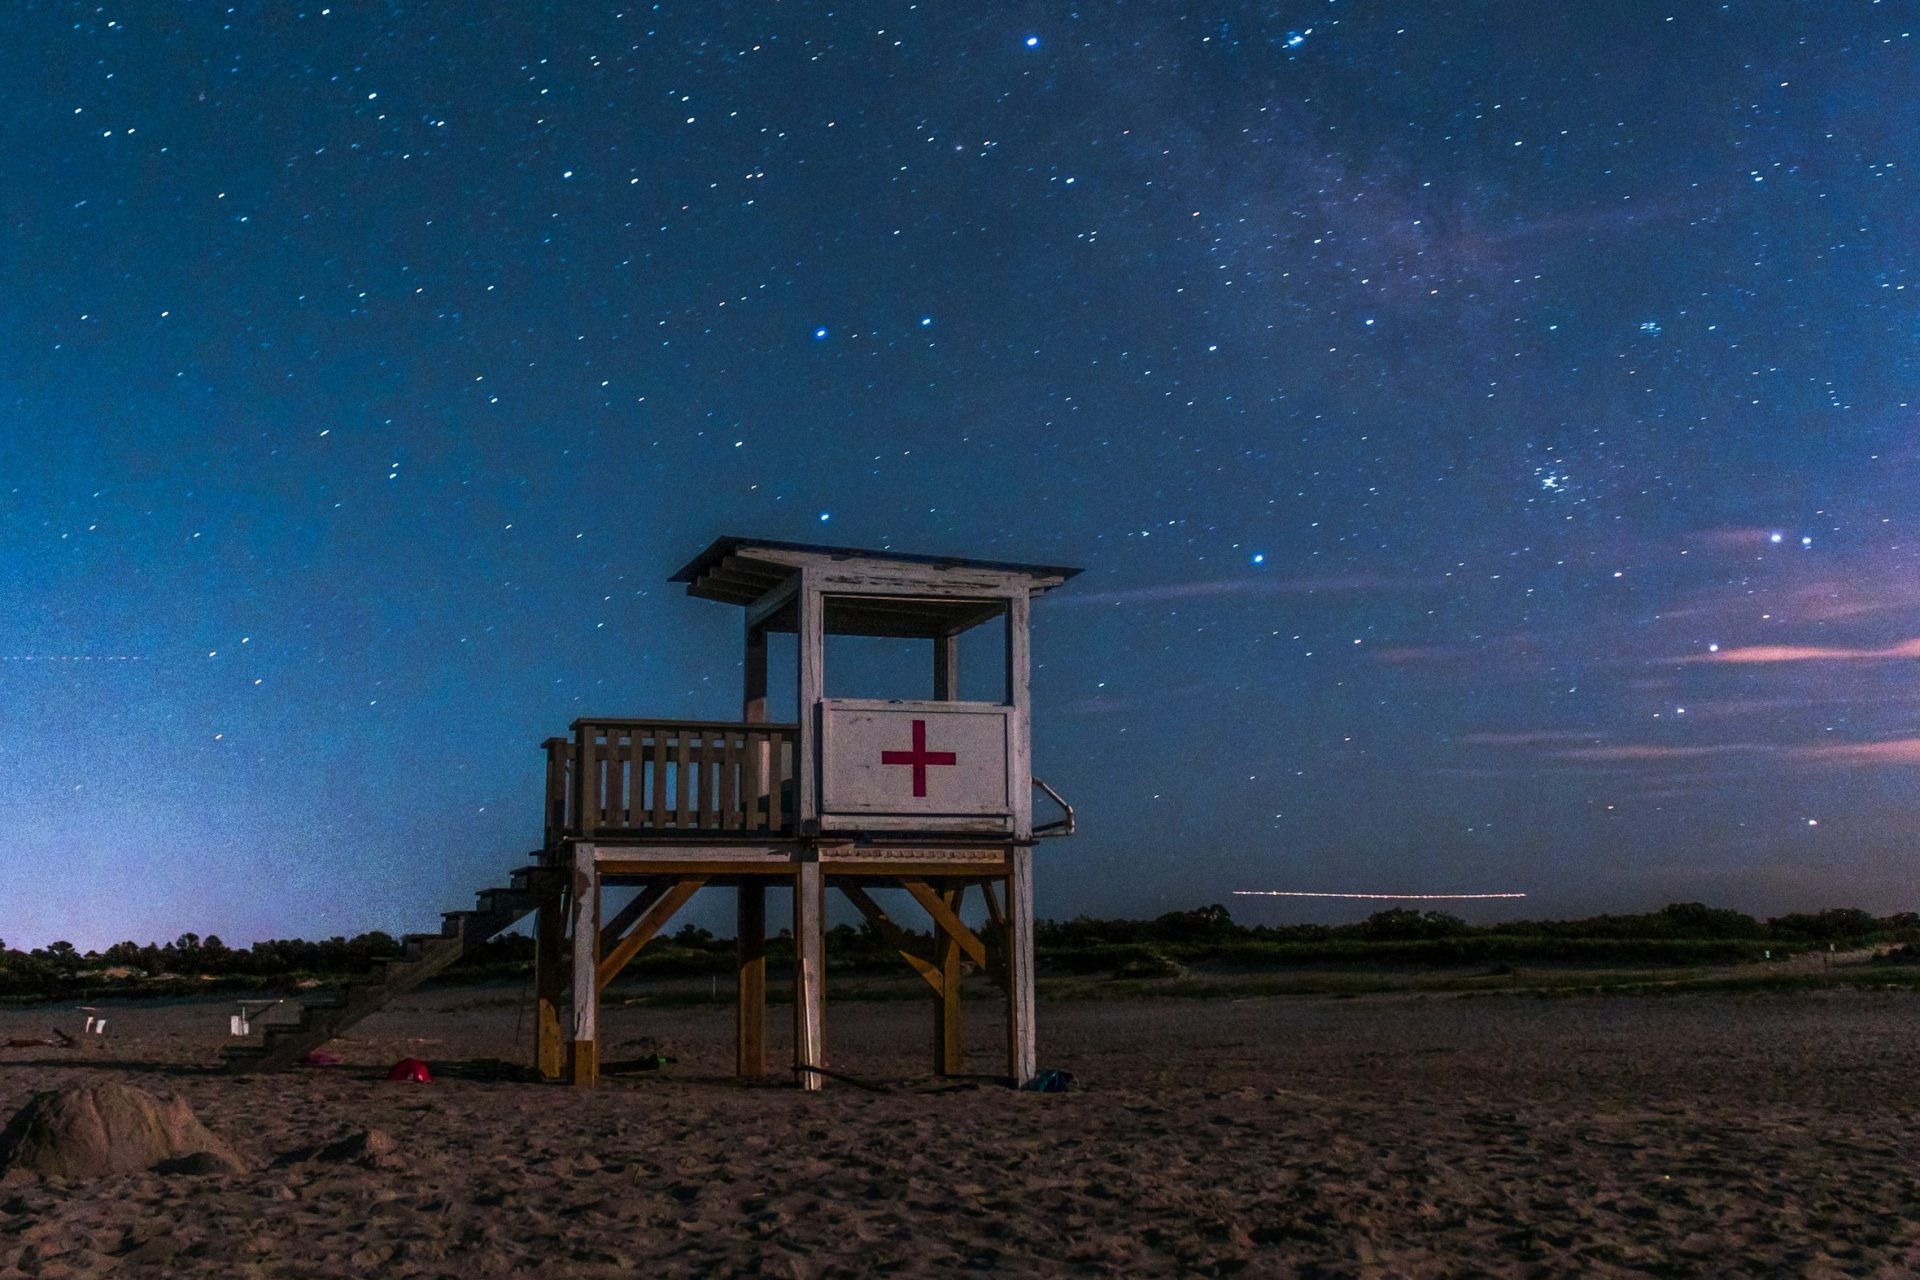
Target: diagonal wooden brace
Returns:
[[895, 936], [654, 920], [623, 919], [944, 917]]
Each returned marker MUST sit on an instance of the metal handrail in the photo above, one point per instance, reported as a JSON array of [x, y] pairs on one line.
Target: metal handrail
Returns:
[[1060, 826]]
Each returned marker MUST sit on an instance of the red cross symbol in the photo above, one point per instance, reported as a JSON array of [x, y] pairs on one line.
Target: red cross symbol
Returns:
[[919, 757]]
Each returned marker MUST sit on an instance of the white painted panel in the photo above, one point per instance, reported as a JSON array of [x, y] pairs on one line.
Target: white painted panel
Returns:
[[913, 757]]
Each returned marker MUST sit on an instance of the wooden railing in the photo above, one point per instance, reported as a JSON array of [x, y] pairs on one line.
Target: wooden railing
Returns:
[[661, 776]]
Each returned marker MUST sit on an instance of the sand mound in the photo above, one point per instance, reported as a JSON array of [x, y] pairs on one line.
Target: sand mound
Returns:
[[97, 1129]]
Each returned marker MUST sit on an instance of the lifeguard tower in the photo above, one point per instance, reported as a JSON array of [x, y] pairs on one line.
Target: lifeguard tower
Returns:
[[933, 796]]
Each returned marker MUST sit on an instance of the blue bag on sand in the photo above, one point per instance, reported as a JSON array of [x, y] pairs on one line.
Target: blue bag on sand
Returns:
[[1049, 1081]]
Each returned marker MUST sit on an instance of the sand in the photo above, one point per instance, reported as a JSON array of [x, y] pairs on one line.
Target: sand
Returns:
[[1681, 1136]]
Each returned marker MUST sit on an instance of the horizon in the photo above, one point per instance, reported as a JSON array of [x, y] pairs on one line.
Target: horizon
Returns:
[[1488, 439]]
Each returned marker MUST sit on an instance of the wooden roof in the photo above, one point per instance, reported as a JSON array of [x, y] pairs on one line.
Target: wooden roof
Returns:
[[741, 570], [870, 593]]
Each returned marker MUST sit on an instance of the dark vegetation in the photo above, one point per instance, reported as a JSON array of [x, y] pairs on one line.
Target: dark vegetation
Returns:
[[1178, 946]]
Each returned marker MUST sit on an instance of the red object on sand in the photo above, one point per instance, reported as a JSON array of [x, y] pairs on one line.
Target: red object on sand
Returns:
[[321, 1058], [412, 1070]]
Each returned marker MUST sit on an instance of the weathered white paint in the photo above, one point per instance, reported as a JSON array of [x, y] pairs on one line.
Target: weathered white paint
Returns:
[[876, 754], [586, 943]]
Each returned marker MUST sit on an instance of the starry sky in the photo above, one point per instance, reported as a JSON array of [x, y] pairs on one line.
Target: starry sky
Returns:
[[1488, 430]]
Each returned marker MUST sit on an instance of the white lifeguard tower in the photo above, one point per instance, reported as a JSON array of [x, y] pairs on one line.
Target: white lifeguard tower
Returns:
[[933, 796]]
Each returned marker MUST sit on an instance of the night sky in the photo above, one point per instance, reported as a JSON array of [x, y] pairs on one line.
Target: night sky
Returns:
[[1489, 430]]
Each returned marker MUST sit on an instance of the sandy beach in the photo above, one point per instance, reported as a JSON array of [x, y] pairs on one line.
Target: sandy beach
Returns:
[[1696, 1135]]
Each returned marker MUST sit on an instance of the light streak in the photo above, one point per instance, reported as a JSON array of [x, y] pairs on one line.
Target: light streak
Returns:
[[1395, 897]]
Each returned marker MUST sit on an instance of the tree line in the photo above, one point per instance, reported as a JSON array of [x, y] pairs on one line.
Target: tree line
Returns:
[[1687, 932]]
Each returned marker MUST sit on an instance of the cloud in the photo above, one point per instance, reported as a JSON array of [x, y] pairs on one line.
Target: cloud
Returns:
[[1764, 653], [1892, 751], [1248, 584], [1638, 752]]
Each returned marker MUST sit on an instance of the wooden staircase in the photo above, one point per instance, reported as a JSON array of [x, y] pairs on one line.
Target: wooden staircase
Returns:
[[325, 1015]]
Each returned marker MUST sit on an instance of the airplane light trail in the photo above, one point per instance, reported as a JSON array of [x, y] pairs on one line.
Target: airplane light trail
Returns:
[[1396, 897]]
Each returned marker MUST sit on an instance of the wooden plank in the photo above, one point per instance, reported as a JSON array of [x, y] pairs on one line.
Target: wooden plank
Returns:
[[649, 924], [1020, 725], [612, 930], [1022, 1050], [730, 815], [809, 974], [585, 890], [949, 1041], [751, 772], [628, 722], [550, 984], [945, 919], [683, 815], [896, 936], [709, 781], [776, 782], [659, 776], [750, 960]]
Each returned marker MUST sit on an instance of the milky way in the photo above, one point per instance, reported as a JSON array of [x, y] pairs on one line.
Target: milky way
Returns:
[[1488, 430]]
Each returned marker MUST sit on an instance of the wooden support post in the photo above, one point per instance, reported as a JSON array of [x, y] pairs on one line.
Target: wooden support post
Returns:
[[1020, 724], [586, 966], [812, 643], [949, 1048], [809, 973], [946, 668], [750, 951], [550, 983], [753, 692], [1022, 1052]]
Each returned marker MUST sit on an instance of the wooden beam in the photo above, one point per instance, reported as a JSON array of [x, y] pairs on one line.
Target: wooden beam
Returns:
[[763, 609], [949, 1042], [585, 892], [812, 647], [1022, 1053], [896, 936], [649, 924], [612, 930], [753, 690], [809, 974], [750, 959], [945, 920], [995, 916], [550, 983]]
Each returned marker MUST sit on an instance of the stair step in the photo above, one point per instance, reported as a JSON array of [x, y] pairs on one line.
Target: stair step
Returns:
[[325, 1015]]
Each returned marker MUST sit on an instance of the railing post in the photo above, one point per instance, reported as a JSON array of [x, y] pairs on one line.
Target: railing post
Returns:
[[586, 801]]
